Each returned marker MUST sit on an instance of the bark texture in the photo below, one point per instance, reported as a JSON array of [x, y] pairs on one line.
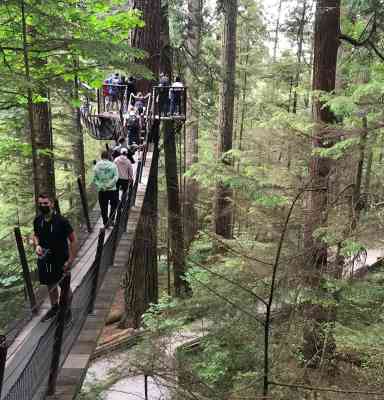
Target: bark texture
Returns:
[[175, 226], [192, 129], [44, 171], [318, 340], [141, 287], [148, 39], [223, 203]]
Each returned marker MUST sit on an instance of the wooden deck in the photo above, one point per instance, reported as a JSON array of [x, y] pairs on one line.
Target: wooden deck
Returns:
[[74, 368]]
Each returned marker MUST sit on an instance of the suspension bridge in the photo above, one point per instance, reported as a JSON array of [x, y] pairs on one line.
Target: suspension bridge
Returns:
[[47, 360]]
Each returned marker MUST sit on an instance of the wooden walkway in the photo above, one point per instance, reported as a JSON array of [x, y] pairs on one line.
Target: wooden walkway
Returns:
[[75, 367], [76, 364]]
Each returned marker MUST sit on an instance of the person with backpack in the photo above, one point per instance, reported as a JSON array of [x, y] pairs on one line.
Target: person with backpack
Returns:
[[56, 246], [132, 124], [125, 170], [122, 143], [105, 178]]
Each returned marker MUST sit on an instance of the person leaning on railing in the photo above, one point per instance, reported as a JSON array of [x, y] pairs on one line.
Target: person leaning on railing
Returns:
[[56, 246]]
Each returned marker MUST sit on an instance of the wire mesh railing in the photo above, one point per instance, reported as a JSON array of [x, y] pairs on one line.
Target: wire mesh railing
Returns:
[[34, 375]]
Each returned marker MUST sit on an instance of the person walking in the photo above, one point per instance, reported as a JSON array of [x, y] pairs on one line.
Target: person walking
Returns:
[[56, 246], [125, 170], [105, 178]]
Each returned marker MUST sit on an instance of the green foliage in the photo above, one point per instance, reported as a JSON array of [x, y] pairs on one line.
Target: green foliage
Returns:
[[336, 151]]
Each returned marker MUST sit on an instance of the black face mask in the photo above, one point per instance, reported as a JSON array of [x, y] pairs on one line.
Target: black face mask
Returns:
[[45, 210]]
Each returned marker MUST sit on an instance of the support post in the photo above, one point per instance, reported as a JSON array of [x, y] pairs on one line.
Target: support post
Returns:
[[57, 205], [98, 101], [84, 204], [97, 263], [136, 183], [26, 272], [3, 359], [117, 225], [168, 266], [146, 387], [63, 307]]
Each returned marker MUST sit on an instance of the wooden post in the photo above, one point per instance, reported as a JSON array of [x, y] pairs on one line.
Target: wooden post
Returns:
[[146, 387], [116, 228], [185, 103], [99, 253], [136, 184], [26, 272], [168, 266], [61, 319], [84, 204], [57, 205], [3, 359], [98, 101]]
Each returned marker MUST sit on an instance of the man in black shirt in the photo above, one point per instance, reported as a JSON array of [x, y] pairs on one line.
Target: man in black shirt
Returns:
[[56, 246]]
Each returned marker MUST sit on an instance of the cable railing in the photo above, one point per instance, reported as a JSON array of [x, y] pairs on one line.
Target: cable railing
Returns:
[[35, 377]]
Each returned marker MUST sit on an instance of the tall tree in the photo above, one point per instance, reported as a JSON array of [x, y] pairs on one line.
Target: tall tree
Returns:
[[300, 44], [141, 288], [223, 201], [169, 131], [193, 45], [326, 44], [142, 279], [147, 38], [40, 122]]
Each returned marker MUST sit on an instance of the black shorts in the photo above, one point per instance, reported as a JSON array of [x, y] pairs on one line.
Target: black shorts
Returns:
[[50, 271]]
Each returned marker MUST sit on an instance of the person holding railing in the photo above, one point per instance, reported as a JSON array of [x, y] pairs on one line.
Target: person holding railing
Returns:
[[105, 178], [56, 246]]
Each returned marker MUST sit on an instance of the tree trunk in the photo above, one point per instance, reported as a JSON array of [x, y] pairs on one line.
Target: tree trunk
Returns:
[[165, 41], [318, 342], [148, 39], [223, 201], [141, 287], [300, 42], [78, 142], [45, 172], [277, 30], [192, 128], [141, 277], [40, 126], [174, 209]]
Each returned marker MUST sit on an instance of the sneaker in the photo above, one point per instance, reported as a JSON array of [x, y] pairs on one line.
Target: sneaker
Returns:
[[51, 313]]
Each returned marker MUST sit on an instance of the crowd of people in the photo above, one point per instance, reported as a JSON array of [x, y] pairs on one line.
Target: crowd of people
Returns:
[[121, 94], [117, 91], [170, 96], [54, 239]]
